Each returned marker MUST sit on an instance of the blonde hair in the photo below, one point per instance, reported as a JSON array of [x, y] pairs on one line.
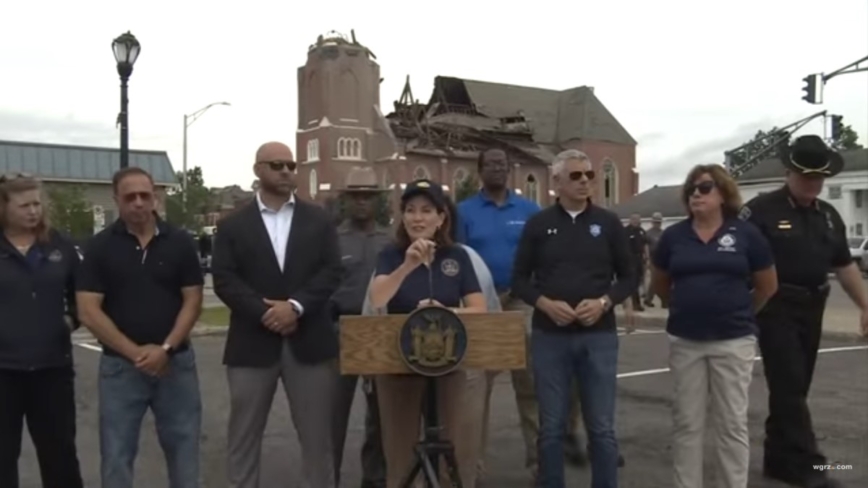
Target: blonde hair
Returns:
[[20, 183], [725, 184]]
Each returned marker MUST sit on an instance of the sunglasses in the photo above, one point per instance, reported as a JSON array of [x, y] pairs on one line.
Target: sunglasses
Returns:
[[577, 175], [704, 188], [14, 176], [279, 165], [143, 196]]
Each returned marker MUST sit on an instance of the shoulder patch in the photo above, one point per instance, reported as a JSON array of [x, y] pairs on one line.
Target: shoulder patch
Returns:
[[744, 213]]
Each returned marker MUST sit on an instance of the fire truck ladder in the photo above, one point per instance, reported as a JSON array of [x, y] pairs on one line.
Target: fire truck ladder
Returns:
[[779, 139]]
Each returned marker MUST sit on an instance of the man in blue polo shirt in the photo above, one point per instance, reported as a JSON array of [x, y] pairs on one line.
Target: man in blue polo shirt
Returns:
[[491, 222]]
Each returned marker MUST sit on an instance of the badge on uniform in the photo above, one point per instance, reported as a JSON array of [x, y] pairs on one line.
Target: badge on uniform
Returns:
[[744, 213], [551, 231], [595, 230], [727, 243], [785, 225], [450, 267], [829, 220], [55, 256]]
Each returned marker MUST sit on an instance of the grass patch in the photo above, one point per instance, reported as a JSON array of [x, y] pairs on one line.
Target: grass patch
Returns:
[[218, 316]]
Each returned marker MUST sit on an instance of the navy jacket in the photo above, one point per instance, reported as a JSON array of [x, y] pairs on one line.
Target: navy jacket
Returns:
[[37, 298]]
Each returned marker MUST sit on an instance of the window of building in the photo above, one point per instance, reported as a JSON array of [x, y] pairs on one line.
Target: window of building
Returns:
[[421, 173], [610, 184], [531, 188], [313, 150], [834, 192], [387, 180], [858, 197], [313, 186], [458, 179], [349, 148], [859, 229]]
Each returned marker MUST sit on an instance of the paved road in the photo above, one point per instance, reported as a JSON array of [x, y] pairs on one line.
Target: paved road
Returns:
[[839, 402]]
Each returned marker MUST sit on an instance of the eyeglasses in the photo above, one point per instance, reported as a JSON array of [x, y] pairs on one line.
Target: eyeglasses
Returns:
[[577, 175], [704, 188], [14, 176], [279, 165]]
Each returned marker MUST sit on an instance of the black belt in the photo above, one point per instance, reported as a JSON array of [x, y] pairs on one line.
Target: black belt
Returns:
[[789, 289]]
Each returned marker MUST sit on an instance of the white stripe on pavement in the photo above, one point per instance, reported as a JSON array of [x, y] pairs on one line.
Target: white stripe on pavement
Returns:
[[649, 372]]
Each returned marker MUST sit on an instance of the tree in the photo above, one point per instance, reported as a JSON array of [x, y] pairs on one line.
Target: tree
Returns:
[[847, 141], [70, 212], [199, 200], [468, 187]]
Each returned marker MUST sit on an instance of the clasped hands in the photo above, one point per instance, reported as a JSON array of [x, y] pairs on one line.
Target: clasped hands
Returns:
[[280, 318], [152, 360], [587, 312]]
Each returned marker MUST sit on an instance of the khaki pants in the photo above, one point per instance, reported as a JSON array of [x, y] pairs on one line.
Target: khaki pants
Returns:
[[401, 398], [719, 373], [525, 400]]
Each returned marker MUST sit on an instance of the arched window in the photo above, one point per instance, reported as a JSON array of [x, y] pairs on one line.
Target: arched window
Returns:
[[421, 173], [313, 150], [387, 180], [531, 188], [349, 148], [313, 186], [610, 184], [458, 178]]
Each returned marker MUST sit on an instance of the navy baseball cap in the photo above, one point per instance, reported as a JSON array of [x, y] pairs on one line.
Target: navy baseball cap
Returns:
[[427, 188]]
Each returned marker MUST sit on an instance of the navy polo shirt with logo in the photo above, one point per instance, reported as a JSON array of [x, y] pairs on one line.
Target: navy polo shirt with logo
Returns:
[[494, 230], [452, 278], [710, 298]]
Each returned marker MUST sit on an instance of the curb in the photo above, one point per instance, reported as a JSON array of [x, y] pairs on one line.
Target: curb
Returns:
[[660, 323]]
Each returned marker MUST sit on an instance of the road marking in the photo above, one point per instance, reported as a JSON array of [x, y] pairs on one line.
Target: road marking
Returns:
[[650, 372]]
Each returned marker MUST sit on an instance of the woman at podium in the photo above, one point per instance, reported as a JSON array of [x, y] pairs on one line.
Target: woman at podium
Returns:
[[424, 267]]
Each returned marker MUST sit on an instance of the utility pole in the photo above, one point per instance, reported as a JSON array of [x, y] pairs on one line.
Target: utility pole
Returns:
[[779, 138]]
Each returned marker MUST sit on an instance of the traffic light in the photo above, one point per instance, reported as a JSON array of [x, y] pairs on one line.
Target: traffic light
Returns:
[[837, 127], [813, 89]]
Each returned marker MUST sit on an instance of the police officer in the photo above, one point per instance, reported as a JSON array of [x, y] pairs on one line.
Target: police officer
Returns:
[[653, 236], [361, 240], [799, 225], [639, 249]]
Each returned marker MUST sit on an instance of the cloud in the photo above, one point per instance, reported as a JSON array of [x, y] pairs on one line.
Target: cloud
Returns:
[[32, 127], [671, 169]]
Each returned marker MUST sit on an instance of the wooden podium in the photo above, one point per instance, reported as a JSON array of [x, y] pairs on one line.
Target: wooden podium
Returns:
[[370, 345]]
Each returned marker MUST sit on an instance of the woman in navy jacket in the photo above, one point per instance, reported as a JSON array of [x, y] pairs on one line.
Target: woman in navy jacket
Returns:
[[37, 267]]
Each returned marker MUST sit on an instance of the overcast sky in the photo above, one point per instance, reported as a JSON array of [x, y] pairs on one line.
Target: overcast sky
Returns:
[[688, 79]]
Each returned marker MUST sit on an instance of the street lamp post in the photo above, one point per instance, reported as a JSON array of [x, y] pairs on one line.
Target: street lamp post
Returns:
[[188, 121], [126, 48]]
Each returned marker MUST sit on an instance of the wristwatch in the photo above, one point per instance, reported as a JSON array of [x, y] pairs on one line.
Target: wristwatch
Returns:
[[170, 349], [604, 301]]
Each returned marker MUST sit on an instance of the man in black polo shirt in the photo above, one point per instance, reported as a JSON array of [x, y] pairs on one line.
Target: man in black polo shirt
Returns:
[[808, 239], [573, 264], [140, 293]]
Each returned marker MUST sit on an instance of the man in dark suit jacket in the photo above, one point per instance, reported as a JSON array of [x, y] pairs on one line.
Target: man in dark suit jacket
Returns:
[[276, 264]]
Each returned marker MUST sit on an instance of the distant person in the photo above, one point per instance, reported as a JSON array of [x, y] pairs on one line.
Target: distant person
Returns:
[[653, 236], [37, 316], [639, 248], [140, 294], [574, 264], [808, 240], [707, 265], [276, 264], [361, 240]]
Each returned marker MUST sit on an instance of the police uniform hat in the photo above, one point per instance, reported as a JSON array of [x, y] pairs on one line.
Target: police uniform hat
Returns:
[[361, 180], [433, 191], [809, 155]]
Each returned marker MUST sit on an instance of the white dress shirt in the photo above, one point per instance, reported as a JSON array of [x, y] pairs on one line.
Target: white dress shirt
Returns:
[[278, 224]]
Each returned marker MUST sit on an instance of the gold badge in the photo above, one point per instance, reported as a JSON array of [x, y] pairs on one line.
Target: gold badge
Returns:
[[423, 184], [784, 225], [433, 346]]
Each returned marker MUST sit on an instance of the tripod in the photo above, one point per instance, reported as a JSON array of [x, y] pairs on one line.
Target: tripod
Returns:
[[432, 447]]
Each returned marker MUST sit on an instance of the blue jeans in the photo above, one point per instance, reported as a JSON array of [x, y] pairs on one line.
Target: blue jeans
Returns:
[[592, 359], [125, 393]]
